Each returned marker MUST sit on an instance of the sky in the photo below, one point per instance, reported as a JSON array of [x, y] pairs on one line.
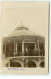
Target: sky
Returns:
[[34, 16]]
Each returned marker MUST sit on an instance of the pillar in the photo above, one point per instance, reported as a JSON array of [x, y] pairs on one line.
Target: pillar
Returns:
[[44, 49], [5, 50], [9, 63], [16, 48], [38, 48], [38, 63], [23, 47], [35, 47]]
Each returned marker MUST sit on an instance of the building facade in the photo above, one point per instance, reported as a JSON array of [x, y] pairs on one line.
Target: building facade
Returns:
[[23, 48]]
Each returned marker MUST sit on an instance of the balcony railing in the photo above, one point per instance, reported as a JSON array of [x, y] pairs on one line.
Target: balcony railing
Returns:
[[37, 53]]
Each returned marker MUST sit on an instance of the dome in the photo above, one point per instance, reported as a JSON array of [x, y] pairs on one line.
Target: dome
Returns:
[[22, 28], [22, 31]]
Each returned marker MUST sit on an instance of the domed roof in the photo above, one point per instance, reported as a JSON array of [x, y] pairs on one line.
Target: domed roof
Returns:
[[22, 28], [22, 31]]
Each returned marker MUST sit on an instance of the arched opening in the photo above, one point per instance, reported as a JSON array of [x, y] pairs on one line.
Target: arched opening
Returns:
[[15, 64], [30, 64], [42, 64]]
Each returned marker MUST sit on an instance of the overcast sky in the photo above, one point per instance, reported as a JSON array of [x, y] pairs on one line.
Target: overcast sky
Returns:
[[34, 15]]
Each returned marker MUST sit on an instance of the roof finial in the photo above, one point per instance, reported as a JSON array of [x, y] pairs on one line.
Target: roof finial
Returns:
[[22, 27]]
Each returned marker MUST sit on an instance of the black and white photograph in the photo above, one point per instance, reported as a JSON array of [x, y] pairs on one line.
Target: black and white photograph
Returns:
[[24, 41], [24, 48]]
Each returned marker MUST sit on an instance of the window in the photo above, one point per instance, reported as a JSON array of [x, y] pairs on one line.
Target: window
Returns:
[[41, 45], [9, 49], [29, 49], [19, 48]]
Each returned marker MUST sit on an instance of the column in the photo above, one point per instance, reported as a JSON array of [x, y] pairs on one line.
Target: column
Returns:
[[38, 48], [9, 63], [35, 47], [44, 49], [23, 47], [16, 48], [38, 63], [5, 50]]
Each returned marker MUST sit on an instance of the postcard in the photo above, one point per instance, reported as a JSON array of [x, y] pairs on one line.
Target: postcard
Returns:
[[24, 34]]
